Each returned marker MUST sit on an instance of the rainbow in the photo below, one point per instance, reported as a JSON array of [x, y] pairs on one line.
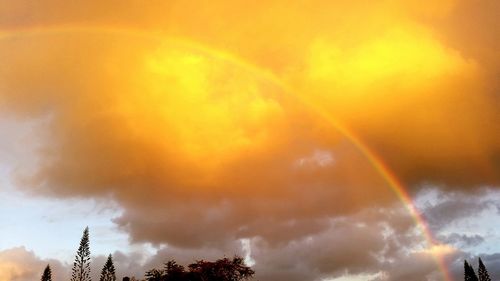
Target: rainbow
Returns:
[[392, 180]]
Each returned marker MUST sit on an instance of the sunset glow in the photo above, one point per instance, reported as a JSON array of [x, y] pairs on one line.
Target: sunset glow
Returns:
[[319, 140]]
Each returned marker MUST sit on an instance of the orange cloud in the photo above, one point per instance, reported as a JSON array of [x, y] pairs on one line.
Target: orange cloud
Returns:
[[213, 113], [19, 264]]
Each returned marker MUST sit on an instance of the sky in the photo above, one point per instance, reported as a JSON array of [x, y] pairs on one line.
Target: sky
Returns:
[[321, 140]]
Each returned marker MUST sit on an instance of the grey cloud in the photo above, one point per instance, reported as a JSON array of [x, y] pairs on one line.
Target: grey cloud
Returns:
[[462, 240], [452, 207]]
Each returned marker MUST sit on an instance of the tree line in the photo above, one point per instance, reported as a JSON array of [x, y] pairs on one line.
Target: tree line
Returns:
[[220, 270]]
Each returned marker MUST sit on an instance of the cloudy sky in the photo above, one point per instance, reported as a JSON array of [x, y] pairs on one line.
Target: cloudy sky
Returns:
[[321, 140]]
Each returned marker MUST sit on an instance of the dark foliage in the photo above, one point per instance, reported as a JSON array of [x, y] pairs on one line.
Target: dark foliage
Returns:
[[482, 272], [47, 274], [221, 270], [81, 265], [108, 271], [469, 274]]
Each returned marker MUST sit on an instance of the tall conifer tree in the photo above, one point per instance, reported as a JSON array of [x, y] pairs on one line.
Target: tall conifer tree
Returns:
[[482, 272], [81, 266], [108, 271], [469, 274], [47, 274]]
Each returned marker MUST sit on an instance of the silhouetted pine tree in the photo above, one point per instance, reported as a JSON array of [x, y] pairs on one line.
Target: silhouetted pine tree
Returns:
[[81, 266], [47, 274], [482, 272], [108, 271], [469, 274]]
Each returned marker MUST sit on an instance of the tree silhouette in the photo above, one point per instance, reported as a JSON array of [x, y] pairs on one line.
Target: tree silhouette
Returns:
[[469, 274], [482, 272], [221, 270], [108, 271], [47, 274], [81, 265], [174, 271]]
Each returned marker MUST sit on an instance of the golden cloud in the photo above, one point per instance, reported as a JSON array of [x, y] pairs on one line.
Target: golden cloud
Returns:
[[225, 106]]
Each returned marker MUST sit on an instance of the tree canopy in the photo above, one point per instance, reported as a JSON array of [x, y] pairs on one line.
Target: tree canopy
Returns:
[[221, 270]]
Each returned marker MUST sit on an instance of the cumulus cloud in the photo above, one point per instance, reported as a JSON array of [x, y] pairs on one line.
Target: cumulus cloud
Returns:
[[171, 143], [372, 242], [210, 123], [400, 68], [382, 243], [20, 264]]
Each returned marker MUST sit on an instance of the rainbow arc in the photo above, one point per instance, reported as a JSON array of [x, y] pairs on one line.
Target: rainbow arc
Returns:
[[392, 180]]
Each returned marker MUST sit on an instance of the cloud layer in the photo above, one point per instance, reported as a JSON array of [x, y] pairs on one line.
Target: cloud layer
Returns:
[[406, 70], [212, 122]]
